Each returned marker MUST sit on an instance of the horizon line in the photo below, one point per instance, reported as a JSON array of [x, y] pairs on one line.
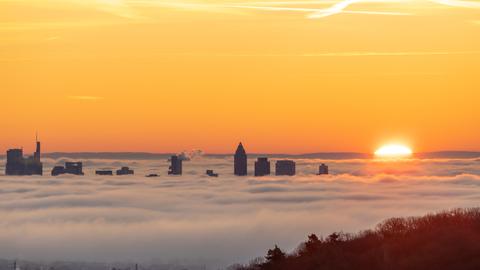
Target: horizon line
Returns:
[[252, 153]]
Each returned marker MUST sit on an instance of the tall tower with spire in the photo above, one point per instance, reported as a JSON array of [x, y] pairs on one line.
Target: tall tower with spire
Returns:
[[240, 161], [17, 164], [36, 155]]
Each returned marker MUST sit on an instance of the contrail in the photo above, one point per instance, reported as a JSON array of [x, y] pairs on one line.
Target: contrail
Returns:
[[335, 9], [313, 13], [122, 7], [458, 3], [316, 13]]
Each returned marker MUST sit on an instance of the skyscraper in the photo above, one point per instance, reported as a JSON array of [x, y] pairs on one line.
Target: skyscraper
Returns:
[[36, 155], [322, 169], [18, 165], [285, 167], [262, 166], [75, 168], [175, 166], [125, 171], [240, 161], [15, 162]]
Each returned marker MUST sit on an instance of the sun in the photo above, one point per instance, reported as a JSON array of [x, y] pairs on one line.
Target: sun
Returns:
[[393, 151]]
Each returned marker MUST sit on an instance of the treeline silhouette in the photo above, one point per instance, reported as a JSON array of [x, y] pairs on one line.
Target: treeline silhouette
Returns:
[[446, 240]]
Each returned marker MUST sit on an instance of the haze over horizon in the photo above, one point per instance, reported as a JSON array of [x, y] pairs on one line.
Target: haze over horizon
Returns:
[[290, 77], [199, 152]]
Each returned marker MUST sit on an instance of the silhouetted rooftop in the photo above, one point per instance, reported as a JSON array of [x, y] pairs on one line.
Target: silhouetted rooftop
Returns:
[[240, 150]]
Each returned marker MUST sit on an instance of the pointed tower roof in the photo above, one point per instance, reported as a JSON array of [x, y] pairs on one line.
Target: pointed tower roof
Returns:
[[240, 150]]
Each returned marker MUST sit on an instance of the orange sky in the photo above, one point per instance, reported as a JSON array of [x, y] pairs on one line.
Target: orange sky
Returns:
[[165, 76]]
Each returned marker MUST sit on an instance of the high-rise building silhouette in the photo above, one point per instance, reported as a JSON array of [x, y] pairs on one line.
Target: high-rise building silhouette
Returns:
[[58, 170], [15, 162], [18, 165], [323, 169], [125, 171], [285, 167], [75, 168], [175, 165], [36, 155], [104, 172], [262, 166], [240, 161]]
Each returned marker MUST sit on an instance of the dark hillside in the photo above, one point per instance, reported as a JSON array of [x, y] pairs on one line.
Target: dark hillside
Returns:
[[446, 240]]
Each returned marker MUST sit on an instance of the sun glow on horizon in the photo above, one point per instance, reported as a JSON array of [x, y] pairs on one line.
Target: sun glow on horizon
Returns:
[[192, 74], [393, 151]]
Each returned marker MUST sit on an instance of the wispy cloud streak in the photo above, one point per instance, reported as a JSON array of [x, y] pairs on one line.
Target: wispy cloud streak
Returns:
[[347, 54], [86, 98], [335, 9], [339, 54], [119, 8], [131, 9], [316, 13], [313, 13], [458, 3]]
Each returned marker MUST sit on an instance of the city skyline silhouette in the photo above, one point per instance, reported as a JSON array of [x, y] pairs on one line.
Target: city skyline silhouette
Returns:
[[239, 135]]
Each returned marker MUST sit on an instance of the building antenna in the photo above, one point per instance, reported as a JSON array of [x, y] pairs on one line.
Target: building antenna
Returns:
[[36, 136]]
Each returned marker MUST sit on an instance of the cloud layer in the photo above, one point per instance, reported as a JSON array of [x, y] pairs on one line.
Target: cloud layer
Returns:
[[194, 219]]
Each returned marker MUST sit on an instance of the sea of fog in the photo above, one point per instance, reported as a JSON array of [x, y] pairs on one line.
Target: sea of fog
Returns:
[[199, 222]]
